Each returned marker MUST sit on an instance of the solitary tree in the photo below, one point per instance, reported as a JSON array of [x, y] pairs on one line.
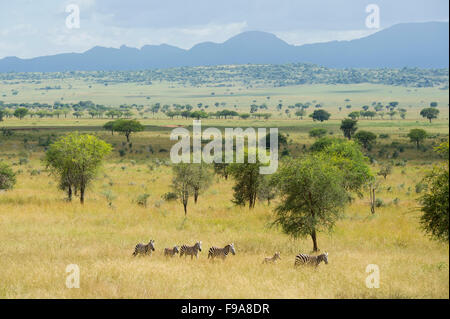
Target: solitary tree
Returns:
[[429, 113], [7, 177], [312, 197], [417, 135], [182, 183], [127, 127], [385, 170], [20, 113], [76, 159], [109, 126], [266, 189], [247, 180], [366, 138], [348, 127], [434, 202], [320, 115], [200, 180], [354, 115]]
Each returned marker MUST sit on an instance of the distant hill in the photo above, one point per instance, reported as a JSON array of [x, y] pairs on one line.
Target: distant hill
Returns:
[[423, 45]]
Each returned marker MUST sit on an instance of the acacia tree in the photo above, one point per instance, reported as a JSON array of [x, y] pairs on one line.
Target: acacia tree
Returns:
[[312, 197], [247, 181], [417, 135], [435, 206], [348, 127], [315, 189], [109, 126], [320, 115], [75, 159], [366, 138], [429, 113], [127, 127], [7, 177], [182, 183], [20, 113], [266, 189], [201, 179]]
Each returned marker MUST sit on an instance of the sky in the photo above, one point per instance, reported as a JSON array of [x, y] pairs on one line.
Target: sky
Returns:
[[30, 28]]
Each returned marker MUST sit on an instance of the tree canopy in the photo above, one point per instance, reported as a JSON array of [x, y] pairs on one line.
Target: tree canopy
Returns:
[[75, 159]]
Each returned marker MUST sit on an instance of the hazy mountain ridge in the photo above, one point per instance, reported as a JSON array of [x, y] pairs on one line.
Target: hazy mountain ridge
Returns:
[[423, 45]]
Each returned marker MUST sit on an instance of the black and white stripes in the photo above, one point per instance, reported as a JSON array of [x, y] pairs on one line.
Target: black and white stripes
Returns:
[[142, 249], [191, 250], [221, 252], [302, 259]]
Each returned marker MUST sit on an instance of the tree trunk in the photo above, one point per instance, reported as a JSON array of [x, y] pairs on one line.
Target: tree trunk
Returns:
[[195, 196], [82, 194], [69, 194], [372, 199], [314, 239], [128, 137], [185, 208]]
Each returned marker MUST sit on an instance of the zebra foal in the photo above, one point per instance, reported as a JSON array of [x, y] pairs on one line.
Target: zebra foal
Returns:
[[272, 260], [221, 252], [142, 249], [302, 259], [191, 250], [170, 252]]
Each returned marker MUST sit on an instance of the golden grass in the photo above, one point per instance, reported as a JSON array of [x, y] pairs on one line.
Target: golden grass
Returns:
[[41, 234]]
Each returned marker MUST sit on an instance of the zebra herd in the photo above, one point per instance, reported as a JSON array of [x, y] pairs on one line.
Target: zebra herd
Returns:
[[222, 253]]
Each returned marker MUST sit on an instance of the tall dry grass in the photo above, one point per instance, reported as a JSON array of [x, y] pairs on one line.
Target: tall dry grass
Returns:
[[40, 234]]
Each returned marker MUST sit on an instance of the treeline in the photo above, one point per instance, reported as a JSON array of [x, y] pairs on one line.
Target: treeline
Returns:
[[251, 75]]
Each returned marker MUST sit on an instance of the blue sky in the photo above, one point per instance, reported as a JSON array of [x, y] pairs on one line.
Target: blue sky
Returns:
[[32, 28]]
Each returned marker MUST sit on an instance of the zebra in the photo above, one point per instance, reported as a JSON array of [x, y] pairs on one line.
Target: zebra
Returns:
[[170, 252], [221, 252], [191, 250], [302, 259], [144, 249], [273, 259]]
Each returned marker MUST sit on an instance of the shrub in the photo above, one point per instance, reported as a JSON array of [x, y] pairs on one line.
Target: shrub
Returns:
[[142, 199], [169, 196], [379, 202]]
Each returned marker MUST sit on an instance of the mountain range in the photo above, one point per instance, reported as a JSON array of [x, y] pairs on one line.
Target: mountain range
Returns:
[[423, 45]]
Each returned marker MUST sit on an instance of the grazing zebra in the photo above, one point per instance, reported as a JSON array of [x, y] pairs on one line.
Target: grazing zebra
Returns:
[[272, 260], [170, 252], [191, 250], [144, 249], [302, 259], [221, 252]]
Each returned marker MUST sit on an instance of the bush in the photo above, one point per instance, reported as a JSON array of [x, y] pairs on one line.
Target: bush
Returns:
[[142, 199], [379, 202], [7, 177], [170, 196], [420, 187]]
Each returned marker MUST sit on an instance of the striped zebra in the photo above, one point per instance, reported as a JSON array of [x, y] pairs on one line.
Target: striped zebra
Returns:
[[191, 250], [221, 252], [170, 252], [302, 259], [144, 249], [272, 260]]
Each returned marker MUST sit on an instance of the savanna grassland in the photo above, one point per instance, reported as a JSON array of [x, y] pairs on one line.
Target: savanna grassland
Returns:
[[41, 233]]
